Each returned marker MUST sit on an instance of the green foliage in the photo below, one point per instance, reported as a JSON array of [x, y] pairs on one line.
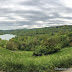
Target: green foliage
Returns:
[[23, 61], [22, 46], [49, 39], [3, 43], [50, 43], [40, 50], [11, 45], [48, 47], [70, 38], [37, 42], [47, 30], [64, 40]]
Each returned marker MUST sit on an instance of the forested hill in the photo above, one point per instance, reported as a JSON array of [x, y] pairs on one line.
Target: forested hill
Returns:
[[46, 30], [42, 41]]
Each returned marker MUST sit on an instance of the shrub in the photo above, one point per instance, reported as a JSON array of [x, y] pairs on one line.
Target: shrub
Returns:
[[53, 46], [63, 40], [22, 46], [70, 39], [11, 46], [40, 50], [50, 48], [3, 43]]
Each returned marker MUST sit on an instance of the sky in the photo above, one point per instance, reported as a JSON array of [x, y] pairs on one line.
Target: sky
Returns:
[[19, 14]]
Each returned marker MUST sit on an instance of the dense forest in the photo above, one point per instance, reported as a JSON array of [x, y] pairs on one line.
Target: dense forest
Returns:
[[42, 41], [37, 31]]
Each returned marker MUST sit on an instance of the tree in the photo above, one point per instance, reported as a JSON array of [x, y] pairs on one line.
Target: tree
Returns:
[[11, 46]]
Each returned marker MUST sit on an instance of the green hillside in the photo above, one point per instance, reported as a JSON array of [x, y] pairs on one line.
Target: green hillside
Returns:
[[36, 50], [23, 61], [46, 30]]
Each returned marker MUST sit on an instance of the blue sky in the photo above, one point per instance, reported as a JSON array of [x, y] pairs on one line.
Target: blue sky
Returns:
[[18, 14]]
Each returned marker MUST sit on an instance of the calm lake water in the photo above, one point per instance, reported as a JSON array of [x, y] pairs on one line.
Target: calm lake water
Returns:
[[7, 36]]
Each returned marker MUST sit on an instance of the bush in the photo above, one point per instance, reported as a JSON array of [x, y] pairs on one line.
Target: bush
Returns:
[[49, 49], [11, 46], [22, 46], [40, 51], [70, 39], [53, 46], [3, 43], [64, 41]]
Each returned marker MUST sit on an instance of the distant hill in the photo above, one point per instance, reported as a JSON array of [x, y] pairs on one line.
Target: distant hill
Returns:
[[45, 30]]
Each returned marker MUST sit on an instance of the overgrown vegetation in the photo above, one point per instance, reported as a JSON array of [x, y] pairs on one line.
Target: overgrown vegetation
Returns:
[[23, 61], [42, 44], [42, 41], [52, 45]]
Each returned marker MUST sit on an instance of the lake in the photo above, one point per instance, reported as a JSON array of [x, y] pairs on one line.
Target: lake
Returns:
[[7, 36]]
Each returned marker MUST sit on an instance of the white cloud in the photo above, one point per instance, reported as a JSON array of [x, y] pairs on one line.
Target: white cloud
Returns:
[[14, 18], [48, 6], [66, 14], [61, 19], [37, 26], [40, 22], [19, 18], [2, 18], [67, 3], [15, 6]]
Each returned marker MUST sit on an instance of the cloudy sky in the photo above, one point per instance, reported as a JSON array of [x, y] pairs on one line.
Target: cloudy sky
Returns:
[[18, 14]]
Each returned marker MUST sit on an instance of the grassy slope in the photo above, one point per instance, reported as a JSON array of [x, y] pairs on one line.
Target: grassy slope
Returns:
[[23, 61]]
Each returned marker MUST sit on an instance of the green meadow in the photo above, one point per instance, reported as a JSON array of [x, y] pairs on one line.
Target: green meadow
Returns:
[[23, 61]]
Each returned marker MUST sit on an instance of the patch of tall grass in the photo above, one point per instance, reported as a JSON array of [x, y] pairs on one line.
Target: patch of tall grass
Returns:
[[23, 61]]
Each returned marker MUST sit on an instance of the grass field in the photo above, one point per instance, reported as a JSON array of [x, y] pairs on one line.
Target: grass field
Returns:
[[23, 61]]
